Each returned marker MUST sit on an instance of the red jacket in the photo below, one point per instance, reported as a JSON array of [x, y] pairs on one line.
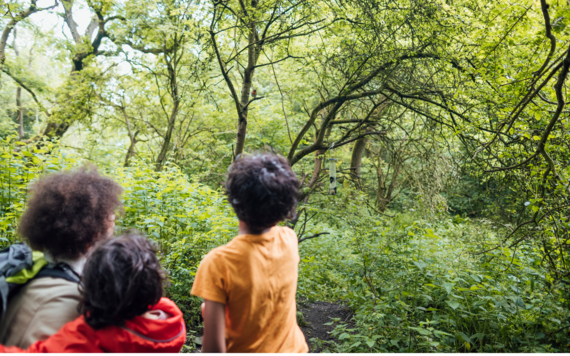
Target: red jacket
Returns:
[[139, 335]]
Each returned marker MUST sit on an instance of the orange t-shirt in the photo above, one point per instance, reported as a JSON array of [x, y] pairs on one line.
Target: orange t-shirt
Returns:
[[255, 276]]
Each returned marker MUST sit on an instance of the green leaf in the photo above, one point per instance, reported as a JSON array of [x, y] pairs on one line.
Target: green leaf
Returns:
[[420, 264], [453, 304], [447, 286], [356, 344], [419, 330]]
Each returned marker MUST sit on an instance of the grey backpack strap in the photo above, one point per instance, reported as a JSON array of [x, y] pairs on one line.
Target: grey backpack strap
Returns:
[[12, 260], [4, 290], [61, 270]]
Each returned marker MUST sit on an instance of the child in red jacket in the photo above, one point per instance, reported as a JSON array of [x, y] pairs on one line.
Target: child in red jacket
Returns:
[[123, 309]]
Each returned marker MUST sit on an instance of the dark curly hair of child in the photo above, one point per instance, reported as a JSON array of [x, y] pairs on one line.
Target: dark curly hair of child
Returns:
[[122, 279], [262, 189], [69, 211]]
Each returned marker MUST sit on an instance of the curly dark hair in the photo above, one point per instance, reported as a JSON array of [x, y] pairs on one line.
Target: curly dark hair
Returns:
[[122, 279], [262, 189], [69, 211]]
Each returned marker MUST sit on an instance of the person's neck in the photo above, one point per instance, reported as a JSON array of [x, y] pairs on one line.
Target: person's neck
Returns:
[[76, 265], [243, 229]]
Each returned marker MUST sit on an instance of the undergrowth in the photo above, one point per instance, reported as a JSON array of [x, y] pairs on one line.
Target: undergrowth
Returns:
[[418, 282]]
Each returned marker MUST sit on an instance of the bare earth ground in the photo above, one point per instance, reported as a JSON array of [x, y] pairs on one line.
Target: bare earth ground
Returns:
[[315, 315]]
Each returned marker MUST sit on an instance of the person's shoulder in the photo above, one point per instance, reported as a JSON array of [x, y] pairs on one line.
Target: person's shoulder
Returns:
[[216, 252], [235, 245], [216, 256], [287, 232], [49, 287], [76, 336]]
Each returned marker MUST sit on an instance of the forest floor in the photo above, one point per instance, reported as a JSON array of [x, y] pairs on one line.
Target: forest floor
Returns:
[[315, 316]]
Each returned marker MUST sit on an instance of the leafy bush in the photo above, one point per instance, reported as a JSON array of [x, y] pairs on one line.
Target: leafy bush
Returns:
[[20, 164], [414, 281], [416, 284], [186, 219]]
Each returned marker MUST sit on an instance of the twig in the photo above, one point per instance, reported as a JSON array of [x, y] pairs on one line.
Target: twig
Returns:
[[252, 100], [282, 103], [379, 212], [313, 236]]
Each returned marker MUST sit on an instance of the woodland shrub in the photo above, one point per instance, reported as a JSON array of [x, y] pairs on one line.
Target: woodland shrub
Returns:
[[412, 278], [416, 284], [186, 219]]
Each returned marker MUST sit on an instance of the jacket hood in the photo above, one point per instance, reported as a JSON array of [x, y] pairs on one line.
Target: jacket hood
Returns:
[[146, 335]]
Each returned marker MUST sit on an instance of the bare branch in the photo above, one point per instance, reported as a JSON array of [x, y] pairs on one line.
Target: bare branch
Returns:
[[313, 236]]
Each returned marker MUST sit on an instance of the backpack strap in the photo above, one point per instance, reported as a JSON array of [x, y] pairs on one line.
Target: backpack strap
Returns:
[[12, 260], [60, 270]]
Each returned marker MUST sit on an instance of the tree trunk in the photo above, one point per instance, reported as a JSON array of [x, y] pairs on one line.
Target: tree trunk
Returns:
[[246, 89], [241, 132], [356, 161], [4, 40], [319, 154], [59, 126], [131, 150], [20, 113], [173, 114], [20, 117], [385, 191], [316, 173], [167, 138]]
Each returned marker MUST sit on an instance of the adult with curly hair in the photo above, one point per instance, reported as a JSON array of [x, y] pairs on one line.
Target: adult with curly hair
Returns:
[[67, 214]]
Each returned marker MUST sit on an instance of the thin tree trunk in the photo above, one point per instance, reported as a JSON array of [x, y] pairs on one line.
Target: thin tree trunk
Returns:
[[20, 117], [356, 160], [167, 138], [248, 73], [20, 113], [316, 173], [319, 155], [131, 150], [173, 114]]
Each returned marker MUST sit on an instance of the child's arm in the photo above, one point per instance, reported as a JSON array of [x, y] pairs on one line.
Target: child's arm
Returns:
[[214, 339], [35, 348]]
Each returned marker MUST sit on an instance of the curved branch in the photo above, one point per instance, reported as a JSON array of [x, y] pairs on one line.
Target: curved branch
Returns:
[[30, 91]]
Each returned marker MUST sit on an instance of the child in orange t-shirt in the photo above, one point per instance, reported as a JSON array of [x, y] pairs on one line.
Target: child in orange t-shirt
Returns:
[[249, 284]]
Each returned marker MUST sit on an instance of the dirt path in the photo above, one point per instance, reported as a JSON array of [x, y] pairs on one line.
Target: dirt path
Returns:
[[317, 314]]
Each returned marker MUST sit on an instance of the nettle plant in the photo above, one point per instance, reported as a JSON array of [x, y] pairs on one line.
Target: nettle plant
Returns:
[[420, 289], [186, 219]]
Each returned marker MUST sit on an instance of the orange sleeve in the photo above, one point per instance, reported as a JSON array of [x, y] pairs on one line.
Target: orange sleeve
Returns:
[[211, 282]]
